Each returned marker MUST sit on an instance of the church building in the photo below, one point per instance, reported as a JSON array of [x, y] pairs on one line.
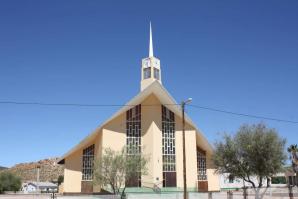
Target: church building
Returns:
[[151, 121]]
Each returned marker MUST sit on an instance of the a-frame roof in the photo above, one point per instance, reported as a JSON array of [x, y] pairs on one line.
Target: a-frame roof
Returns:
[[163, 96]]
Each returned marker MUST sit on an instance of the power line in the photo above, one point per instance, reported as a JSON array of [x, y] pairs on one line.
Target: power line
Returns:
[[122, 105], [243, 114], [62, 104], [74, 104]]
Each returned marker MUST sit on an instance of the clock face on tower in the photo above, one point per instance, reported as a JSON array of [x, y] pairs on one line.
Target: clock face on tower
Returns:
[[147, 63]]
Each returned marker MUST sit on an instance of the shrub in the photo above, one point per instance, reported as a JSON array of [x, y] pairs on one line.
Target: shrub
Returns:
[[9, 182], [279, 180], [60, 179]]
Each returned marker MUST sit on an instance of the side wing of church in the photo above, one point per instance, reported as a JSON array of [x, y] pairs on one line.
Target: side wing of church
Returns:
[[152, 122]]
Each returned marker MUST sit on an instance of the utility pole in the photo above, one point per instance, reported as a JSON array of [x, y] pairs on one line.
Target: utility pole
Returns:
[[183, 103], [37, 176]]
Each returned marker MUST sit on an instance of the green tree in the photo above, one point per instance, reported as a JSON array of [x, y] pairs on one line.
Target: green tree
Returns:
[[60, 179], [115, 168], [293, 150], [254, 151], [9, 182], [279, 180]]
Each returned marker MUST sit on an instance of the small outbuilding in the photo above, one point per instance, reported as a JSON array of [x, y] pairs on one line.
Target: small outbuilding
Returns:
[[39, 186]]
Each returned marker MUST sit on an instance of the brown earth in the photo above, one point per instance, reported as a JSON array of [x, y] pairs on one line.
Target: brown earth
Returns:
[[49, 170], [2, 168]]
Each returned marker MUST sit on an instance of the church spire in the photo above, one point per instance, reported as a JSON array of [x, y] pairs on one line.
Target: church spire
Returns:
[[150, 66], [150, 43]]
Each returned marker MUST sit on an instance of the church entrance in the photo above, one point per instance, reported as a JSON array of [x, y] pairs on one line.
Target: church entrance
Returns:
[[169, 179], [86, 187], [134, 181]]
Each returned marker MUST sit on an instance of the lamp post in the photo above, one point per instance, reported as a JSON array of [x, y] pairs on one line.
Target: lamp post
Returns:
[[183, 103]]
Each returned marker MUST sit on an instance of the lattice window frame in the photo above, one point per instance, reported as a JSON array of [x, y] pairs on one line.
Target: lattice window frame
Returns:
[[168, 140], [88, 163], [133, 130], [201, 165], [134, 133]]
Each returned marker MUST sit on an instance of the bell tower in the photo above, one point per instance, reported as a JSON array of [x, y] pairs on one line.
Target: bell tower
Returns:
[[150, 67]]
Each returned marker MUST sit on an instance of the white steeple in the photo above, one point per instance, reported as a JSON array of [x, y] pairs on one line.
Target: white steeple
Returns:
[[150, 67], [150, 43]]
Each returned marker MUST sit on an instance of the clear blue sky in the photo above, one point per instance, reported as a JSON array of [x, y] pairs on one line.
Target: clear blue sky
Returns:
[[239, 56]]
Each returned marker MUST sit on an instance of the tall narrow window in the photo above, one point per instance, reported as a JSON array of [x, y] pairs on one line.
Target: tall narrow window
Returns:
[[88, 162], [133, 138], [147, 73], [168, 148], [156, 73], [201, 165]]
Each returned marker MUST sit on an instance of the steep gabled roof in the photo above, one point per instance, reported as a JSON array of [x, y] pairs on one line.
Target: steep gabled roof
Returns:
[[164, 97]]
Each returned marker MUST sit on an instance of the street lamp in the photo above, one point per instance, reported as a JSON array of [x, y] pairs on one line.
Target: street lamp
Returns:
[[183, 103]]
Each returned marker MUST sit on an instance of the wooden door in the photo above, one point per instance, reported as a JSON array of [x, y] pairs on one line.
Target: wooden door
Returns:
[[87, 187], [202, 186], [134, 181], [169, 179]]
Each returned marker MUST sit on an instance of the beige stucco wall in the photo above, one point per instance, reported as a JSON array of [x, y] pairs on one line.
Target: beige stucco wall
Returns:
[[73, 172], [191, 157], [152, 140], [193, 140], [152, 145], [98, 152], [114, 133], [212, 177], [213, 180], [73, 166]]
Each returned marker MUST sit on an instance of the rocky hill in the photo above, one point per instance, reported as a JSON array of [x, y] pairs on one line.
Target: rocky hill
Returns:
[[49, 170], [2, 168]]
